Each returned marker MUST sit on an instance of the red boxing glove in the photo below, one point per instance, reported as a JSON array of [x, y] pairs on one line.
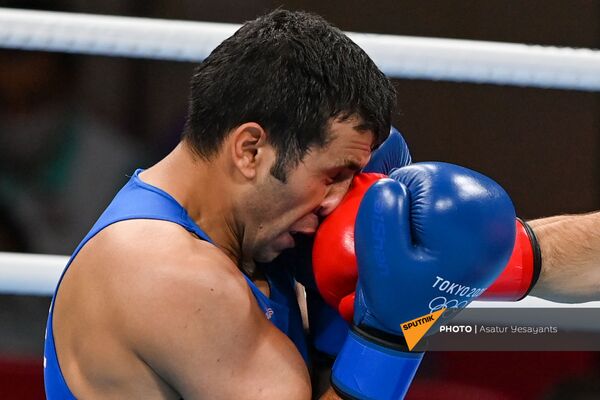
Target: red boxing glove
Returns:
[[334, 259], [336, 272], [521, 272]]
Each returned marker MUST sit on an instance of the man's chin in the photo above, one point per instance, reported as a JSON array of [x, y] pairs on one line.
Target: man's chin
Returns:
[[266, 258], [271, 253]]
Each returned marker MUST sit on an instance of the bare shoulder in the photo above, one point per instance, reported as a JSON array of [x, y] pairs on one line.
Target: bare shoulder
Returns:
[[161, 262], [188, 312], [151, 244]]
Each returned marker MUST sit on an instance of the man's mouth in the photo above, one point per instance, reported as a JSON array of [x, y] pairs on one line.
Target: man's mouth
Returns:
[[307, 225], [286, 241], [306, 232]]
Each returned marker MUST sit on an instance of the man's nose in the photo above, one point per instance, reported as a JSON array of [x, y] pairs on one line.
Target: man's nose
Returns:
[[333, 198]]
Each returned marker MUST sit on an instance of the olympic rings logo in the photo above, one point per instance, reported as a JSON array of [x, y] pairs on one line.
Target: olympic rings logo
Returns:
[[440, 302]]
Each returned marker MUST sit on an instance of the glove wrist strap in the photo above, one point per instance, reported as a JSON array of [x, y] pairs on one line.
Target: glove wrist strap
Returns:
[[381, 338], [365, 369], [536, 256]]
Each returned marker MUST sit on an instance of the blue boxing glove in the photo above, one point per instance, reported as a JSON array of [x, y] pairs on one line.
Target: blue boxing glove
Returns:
[[328, 330], [392, 154], [431, 231]]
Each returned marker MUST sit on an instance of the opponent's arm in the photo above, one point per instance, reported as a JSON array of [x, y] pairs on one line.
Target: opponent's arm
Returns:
[[570, 248], [555, 258], [200, 329], [548, 220]]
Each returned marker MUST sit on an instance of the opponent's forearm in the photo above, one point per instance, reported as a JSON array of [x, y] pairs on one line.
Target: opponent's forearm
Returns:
[[536, 223], [570, 247]]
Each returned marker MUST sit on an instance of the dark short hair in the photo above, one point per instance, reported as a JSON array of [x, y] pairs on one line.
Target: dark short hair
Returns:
[[291, 72]]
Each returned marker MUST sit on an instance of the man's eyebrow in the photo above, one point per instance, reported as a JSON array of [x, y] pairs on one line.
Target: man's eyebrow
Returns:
[[367, 127], [349, 164]]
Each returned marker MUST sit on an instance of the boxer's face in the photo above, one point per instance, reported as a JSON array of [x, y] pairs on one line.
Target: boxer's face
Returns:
[[313, 189]]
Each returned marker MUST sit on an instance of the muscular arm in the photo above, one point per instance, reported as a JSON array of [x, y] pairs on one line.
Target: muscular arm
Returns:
[[201, 330], [570, 246]]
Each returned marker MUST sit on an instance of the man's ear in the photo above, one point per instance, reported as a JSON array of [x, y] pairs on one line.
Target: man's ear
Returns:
[[248, 148]]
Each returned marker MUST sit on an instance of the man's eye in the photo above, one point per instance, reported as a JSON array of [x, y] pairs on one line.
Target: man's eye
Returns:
[[330, 179], [339, 177]]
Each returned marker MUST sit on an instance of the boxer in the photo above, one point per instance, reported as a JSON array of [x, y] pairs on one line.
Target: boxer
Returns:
[[163, 299]]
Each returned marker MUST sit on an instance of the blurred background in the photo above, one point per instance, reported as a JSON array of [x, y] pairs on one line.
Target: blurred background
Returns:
[[72, 128]]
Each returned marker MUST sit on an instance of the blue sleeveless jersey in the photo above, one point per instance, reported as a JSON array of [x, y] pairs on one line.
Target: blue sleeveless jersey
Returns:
[[139, 200]]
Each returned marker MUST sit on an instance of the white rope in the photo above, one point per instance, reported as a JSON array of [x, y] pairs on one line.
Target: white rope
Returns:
[[397, 56], [110, 36], [38, 274], [30, 274]]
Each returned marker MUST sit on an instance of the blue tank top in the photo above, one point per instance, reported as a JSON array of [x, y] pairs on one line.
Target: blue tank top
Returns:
[[139, 200]]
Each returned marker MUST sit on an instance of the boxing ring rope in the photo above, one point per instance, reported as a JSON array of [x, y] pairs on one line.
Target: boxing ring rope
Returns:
[[397, 56], [30, 274], [37, 274]]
